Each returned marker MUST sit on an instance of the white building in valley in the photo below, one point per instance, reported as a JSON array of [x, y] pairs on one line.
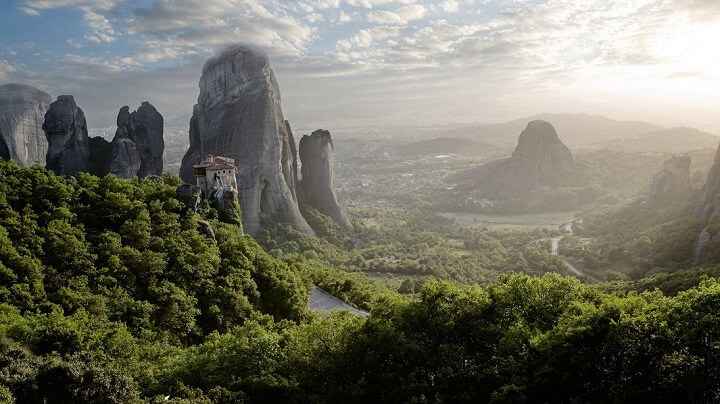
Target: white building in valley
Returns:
[[215, 172]]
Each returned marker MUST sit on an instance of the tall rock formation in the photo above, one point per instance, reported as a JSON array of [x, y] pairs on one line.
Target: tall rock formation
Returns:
[[137, 148], [145, 128], [100, 150], [125, 160], [22, 112], [673, 181], [66, 132], [708, 208], [239, 115], [316, 189], [538, 159], [709, 204]]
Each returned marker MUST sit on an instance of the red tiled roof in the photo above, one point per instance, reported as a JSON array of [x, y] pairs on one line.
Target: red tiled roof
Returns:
[[214, 163]]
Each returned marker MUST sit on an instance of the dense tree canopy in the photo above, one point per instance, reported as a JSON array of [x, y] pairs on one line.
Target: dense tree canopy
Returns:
[[110, 293]]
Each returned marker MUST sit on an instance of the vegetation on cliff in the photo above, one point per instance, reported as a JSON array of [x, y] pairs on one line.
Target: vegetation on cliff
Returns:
[[109, 293]]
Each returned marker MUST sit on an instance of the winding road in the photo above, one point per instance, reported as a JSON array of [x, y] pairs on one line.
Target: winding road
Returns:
[[554, 251]]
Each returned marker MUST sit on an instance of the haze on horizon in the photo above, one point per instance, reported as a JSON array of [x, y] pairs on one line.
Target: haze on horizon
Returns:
[[355, 63]]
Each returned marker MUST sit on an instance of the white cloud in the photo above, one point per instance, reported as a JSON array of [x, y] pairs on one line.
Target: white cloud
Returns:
[[366, 37], [47, 4], [374, 3], [5, 69], [100, 27], [406, 58], [327, 4], [176, 23], [450, 6], [401, 16], [314, 17], [343, 18], [72, 43], [29, 11]]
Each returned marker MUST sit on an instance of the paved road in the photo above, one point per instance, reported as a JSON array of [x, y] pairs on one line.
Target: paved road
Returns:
[[571, 267], [525, 261]]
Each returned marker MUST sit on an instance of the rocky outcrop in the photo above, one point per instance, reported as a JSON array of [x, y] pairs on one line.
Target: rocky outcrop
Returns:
[[239, 115], [145, 128], [190, 195], [700, 246], [205, 228], [100, 150], [67, 136], [709, 204], [225, 201], [673, 181], [22, 112], [316, 189], [538, 159], [125, 159], [136, 150]]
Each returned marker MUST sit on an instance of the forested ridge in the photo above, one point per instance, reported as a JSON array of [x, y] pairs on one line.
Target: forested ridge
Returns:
[[110, 293]]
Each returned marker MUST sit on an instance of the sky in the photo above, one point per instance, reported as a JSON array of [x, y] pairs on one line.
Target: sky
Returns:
[[381, 63]]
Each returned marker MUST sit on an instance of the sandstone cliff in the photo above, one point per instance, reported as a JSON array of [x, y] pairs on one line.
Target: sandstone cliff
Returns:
[[239, 115], [673, 181], [316, 189], [67, 136], [22, 112]]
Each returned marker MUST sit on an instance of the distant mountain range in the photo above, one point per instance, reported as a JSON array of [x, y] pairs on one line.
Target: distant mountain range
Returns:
[[590, 131], [673, 140]]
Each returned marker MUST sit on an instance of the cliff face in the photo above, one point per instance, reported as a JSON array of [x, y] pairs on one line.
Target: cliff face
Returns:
[[673, 181], [537, 159], [67, 136], [316, 189], [238, 115], [125, 160], [136, 150], [709, 203], [22, 112], [146, 130]]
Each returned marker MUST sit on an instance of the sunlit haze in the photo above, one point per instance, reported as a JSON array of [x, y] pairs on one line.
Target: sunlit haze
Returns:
[[371, 63]]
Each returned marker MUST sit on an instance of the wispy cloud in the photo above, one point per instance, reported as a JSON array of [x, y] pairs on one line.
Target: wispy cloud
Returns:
[[401, 16], [412, 55]]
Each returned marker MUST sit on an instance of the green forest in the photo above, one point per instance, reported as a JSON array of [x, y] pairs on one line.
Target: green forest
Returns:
[[112, 292]]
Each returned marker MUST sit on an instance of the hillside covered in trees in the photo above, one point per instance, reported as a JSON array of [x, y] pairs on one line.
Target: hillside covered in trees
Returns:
[[109, 292]]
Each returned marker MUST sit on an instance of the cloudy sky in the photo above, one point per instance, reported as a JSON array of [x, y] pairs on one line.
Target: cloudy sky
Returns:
[[381, 63]]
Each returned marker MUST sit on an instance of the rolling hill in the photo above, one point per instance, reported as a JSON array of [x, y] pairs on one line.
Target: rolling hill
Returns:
[[575, 129], [673, 140]]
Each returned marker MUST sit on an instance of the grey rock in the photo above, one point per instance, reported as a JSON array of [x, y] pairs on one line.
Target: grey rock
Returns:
[[123, 118], [155, 178], [146, 130], [22, 112], [673, 181], [99, 159], [709, 203], [137, 148], [205, 228], [538, 157], [190, 195], [225, 201], [316, 189], [239, 115], [700, 246], [125, 160], [67, 136]]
